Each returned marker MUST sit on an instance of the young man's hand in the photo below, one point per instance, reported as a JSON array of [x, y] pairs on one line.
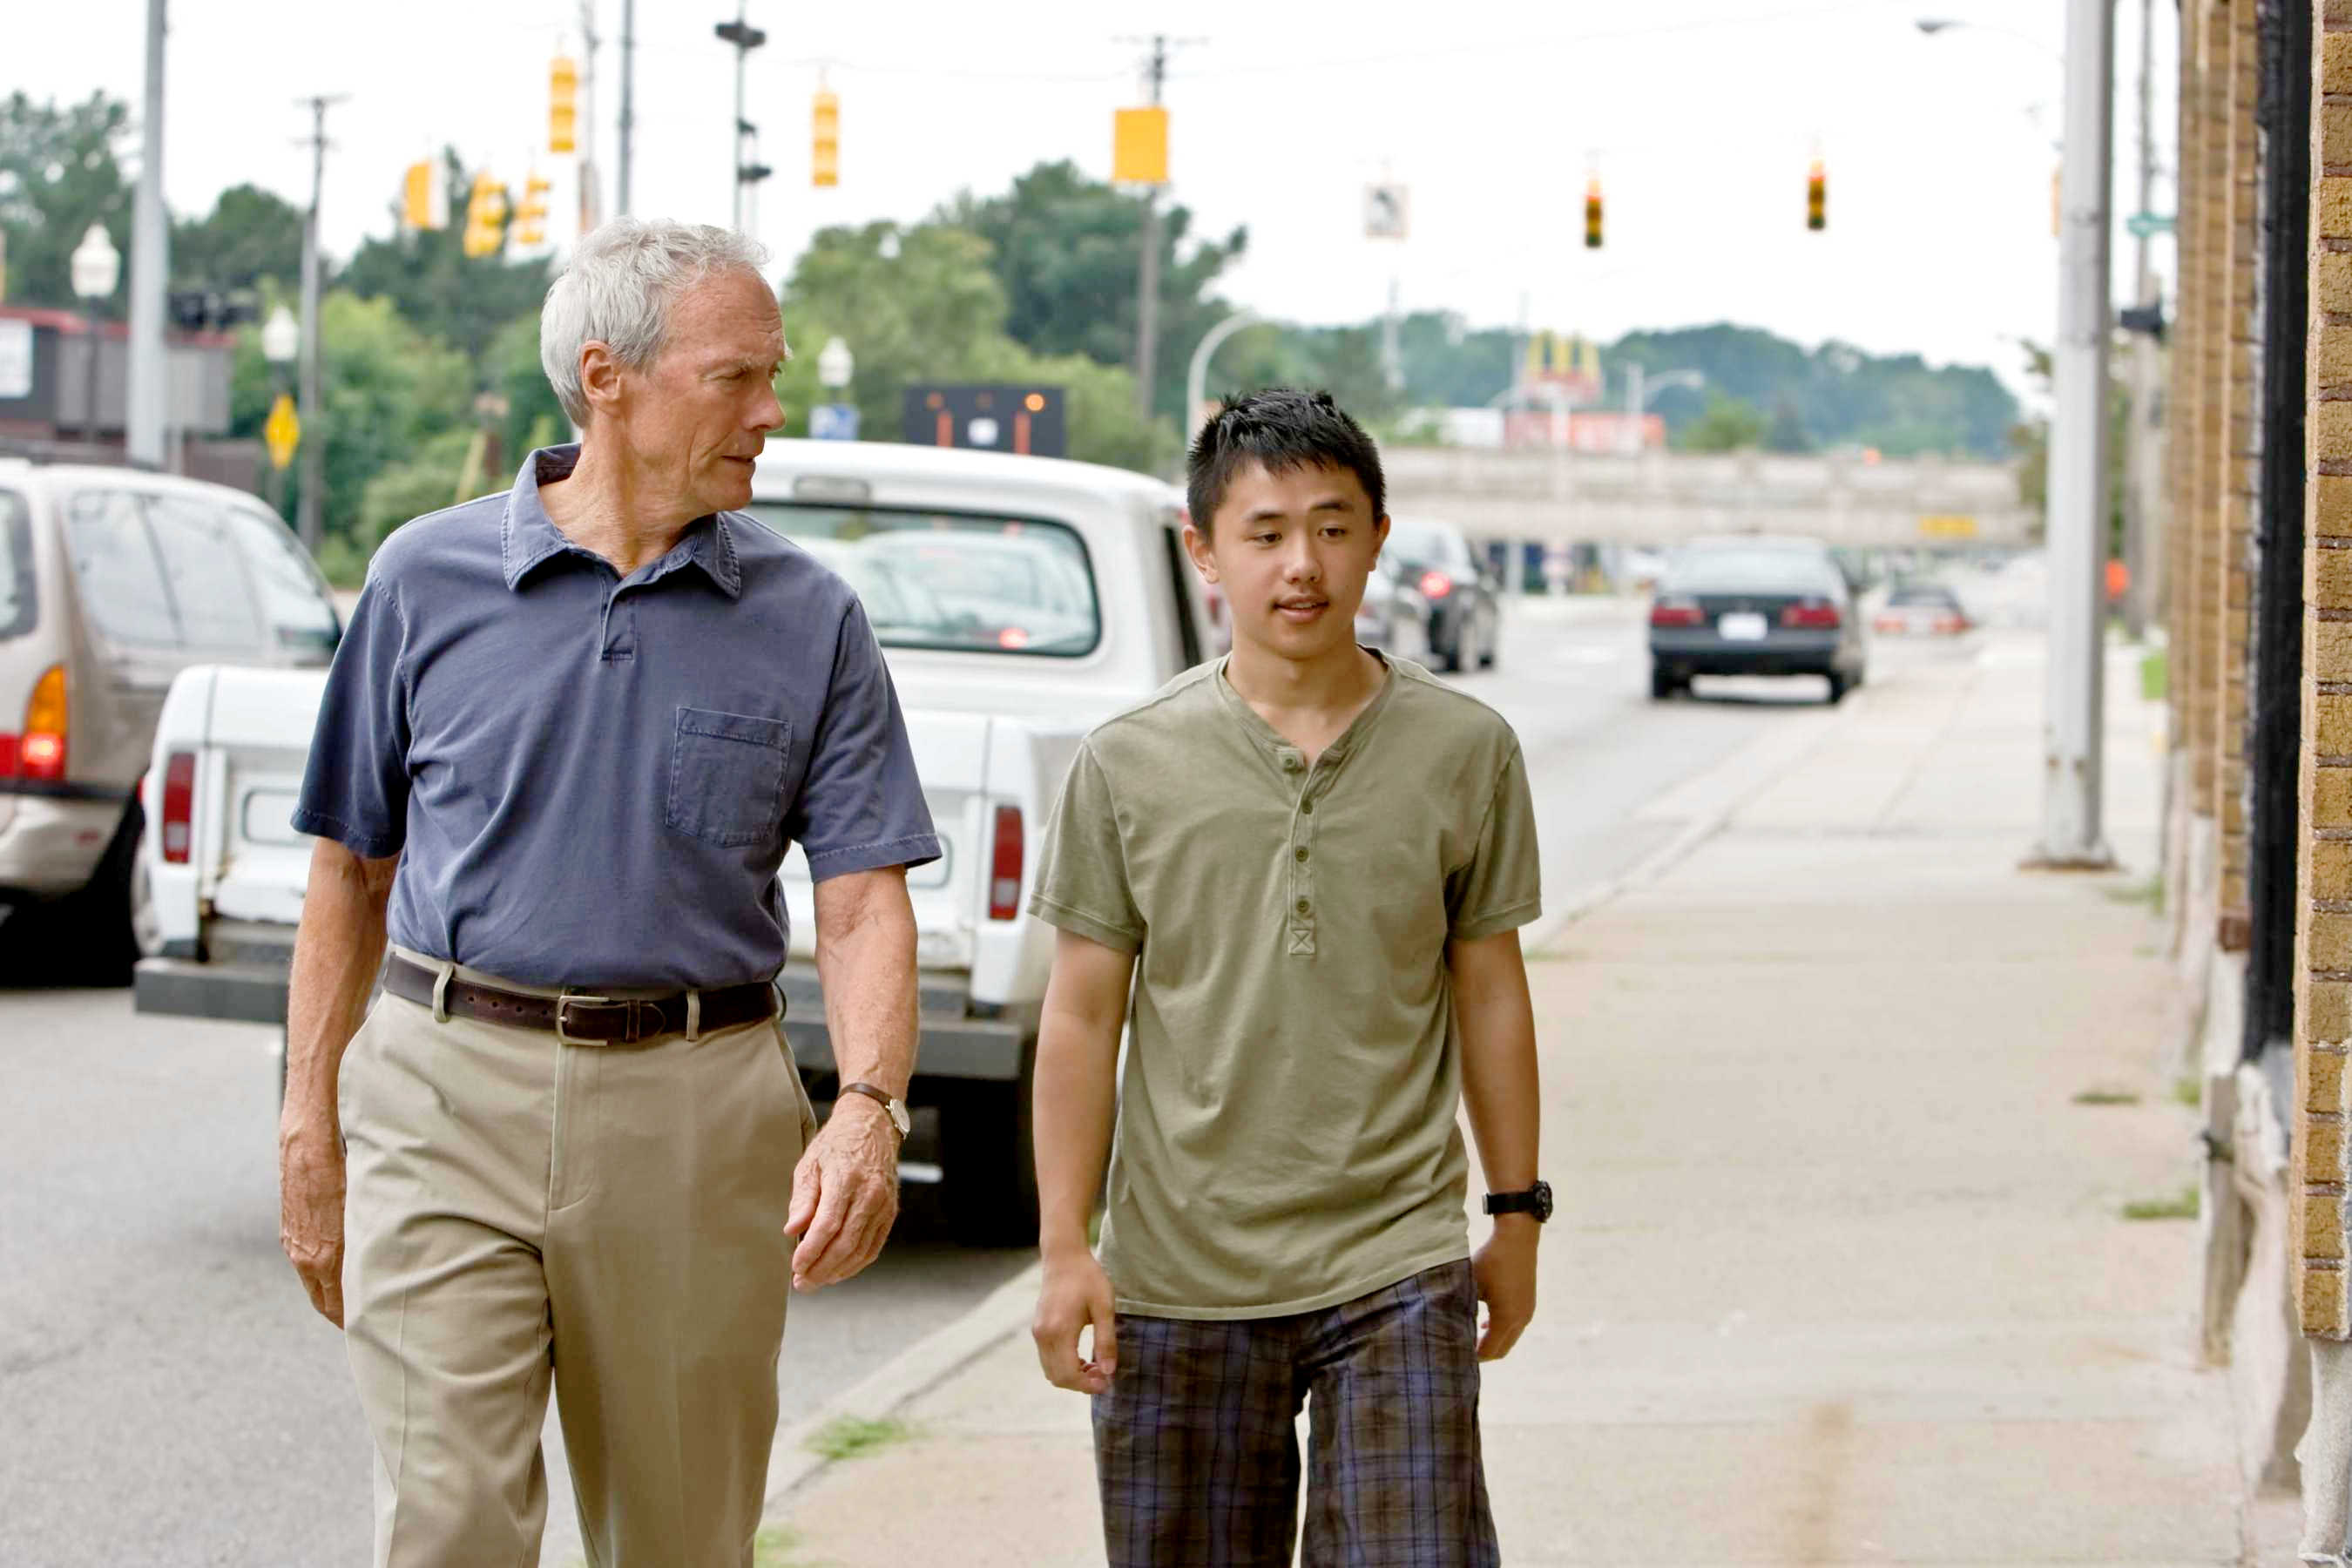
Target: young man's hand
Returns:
[[1506, 1267], [1076, 1293]]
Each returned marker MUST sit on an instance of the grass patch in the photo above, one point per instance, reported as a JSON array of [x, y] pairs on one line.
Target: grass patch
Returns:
[[853, 1437], [2182, 1206], [2154, 675], [2188, 1091], [2148, 890], [773, 1548], [2107, 1097]]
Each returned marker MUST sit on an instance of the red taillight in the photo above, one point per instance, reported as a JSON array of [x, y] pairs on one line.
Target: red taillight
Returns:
[[1435, 585], [179, 806], [41, 750], [1676, 613], [7, 756], [1005, 866], [1012, 639], [1816, 615]]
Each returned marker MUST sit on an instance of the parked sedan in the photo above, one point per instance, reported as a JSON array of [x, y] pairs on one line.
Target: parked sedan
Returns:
[[1754, 606], [1922, 609], [1465, 614], [1393, 616]]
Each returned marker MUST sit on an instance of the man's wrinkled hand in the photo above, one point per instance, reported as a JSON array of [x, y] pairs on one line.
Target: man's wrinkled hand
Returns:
[[311, 1214], [845, 1195], [1505, 1270], [1076, 1293]]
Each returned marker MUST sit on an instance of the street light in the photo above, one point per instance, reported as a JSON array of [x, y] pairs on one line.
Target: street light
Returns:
[[835, 364], [96, 267], [1639, 390], [1196, 375]]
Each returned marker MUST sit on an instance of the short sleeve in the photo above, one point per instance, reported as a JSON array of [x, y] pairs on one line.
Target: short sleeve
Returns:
[[355, 785], [861, 804], [1082, 884], [1501, 888]]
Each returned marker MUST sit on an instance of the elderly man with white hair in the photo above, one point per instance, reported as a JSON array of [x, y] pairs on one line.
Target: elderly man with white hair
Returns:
[[568, 735]]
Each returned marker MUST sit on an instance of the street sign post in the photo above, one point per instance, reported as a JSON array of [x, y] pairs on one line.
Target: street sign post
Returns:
[[2146, 225]]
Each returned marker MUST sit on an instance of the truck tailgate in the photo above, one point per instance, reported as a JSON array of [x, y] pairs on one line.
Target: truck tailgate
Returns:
[[259, 737]]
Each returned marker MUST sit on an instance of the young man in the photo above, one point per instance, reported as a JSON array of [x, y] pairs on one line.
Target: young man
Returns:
[[1311, 866]]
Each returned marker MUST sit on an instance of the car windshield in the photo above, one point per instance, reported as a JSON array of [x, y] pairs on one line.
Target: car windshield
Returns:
[[1426, 544], [1748, 570], [15, 566], [954, 580], [1923, 595]]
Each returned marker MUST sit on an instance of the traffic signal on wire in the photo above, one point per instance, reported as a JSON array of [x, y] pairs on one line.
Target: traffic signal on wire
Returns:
[[824, 152], [531, 217], [420, 197], [1817, 195], [563, 104], [1592, 213], [486, 217]]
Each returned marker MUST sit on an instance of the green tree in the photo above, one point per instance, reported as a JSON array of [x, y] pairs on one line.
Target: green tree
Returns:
[[1728, 424], [462, 300], [1787, 433], [250, 235], [1064, 247], [58, 174]]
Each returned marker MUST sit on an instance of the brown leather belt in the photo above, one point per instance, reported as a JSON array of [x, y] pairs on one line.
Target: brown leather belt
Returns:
[[584, 1020]]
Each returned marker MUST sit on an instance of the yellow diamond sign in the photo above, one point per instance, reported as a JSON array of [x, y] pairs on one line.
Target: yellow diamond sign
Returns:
[[283, 431]]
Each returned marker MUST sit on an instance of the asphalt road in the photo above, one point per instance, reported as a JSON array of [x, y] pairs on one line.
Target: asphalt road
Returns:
[[167, 1396]]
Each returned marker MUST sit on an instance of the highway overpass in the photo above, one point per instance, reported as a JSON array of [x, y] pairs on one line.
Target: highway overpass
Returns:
[[1554, 495]]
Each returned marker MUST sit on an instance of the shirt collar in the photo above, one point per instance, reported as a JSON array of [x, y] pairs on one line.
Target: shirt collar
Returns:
[[529, 537]]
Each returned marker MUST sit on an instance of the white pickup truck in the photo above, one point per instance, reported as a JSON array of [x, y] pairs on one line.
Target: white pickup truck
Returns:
[[1019, 599]]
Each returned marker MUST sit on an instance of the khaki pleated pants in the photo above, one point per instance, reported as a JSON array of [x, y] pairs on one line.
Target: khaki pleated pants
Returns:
[[608, 1218]]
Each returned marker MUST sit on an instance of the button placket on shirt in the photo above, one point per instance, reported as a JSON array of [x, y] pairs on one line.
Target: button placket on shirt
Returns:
[[1301, 851]]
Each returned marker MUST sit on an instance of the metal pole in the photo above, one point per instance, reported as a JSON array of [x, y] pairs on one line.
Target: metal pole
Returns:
[[2140, 489], [741, 55], [586, 131], [2071, 831], [147, 401], [1146, 278], [309, 511], [628, 98], [90, 425], [1636, 394]]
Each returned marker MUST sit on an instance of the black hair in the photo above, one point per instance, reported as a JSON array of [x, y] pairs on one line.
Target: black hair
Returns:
[[1280, 428]]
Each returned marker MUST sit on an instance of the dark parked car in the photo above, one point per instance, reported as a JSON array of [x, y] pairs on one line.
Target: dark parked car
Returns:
[[1922, 609], [1393, 616], [1465, 615], [1754, 606]]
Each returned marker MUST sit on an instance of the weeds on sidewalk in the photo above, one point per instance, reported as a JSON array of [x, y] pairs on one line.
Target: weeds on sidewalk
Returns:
[[2188, 1091], [2148, 890], [2154, 675], [852, 1436], [2107, 1097], [2183, 1206]]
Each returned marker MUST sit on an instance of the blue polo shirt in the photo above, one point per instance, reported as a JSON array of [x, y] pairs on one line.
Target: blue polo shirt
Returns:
[[589, 779]]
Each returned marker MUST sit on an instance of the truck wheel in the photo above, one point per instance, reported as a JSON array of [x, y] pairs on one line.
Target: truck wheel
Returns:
[[100, 922], [989, 1160]]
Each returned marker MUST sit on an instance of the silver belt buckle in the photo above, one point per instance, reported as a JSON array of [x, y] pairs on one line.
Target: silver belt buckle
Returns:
[[565, 1000]]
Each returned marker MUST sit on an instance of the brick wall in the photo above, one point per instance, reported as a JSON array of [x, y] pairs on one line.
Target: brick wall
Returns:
[[2211, 368], [2324, 923], [2183, 410], [2241, 461]]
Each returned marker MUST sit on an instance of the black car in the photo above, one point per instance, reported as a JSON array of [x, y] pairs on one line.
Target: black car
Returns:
[[1466, 613], [1754, 606]]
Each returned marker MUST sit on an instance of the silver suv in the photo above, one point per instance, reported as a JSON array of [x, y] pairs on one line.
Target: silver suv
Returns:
[[111, 581]]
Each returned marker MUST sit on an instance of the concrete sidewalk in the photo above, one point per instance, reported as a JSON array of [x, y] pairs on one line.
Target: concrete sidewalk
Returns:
[[1842, 1271]]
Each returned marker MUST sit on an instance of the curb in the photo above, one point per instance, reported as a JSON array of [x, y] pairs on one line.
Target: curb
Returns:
[[914, 1371]]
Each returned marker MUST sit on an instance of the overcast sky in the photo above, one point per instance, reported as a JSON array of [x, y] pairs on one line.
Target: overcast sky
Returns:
[[1700, 116]]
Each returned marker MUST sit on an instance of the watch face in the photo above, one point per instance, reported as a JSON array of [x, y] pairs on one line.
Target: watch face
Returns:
[[1543, 1200]]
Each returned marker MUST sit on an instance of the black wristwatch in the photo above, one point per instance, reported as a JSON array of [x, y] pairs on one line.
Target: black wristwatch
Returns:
[[1535, 1201]]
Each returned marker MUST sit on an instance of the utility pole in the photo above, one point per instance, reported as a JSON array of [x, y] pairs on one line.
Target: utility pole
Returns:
[[748, 171], [2073, 835], [628, 100], [1147, 274], [150, 263], [591, 204], [307, 514], [2141, 497]]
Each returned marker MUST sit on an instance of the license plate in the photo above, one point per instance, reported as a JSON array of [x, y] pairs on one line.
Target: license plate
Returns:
[[1741, 628]]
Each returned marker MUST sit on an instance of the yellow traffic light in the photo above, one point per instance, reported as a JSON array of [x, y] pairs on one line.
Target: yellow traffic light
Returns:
[[563, 104], [825, 154], [531, 217], [486, 217], [420, 206], [1139, 146], [1592, 213], [1817, 195]]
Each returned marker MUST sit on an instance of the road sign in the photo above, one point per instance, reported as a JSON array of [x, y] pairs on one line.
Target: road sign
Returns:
[[1384, 211], [996, 417], [282, 430], [1139, 146], [1948, 526], [833, 422], [2146, 225]]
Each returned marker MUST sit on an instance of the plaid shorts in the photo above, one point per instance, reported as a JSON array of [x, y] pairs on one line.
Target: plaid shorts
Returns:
[[1196, 1446]]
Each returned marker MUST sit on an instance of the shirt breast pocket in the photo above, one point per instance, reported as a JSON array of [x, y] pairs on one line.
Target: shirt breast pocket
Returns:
[[727, 776]]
